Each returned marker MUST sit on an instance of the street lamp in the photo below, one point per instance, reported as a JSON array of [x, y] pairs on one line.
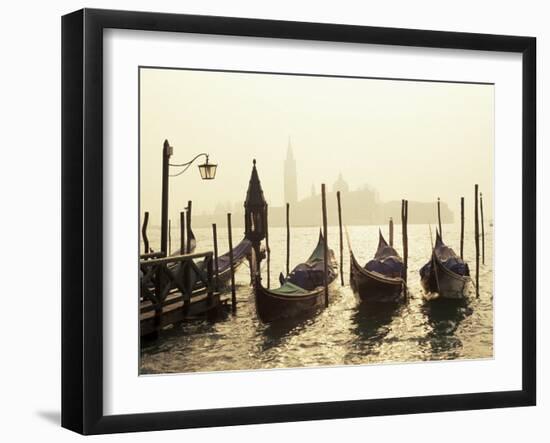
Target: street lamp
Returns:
[[206, 169]]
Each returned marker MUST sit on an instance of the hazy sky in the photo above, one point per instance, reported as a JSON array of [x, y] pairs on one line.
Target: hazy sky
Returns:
[[414, 140]]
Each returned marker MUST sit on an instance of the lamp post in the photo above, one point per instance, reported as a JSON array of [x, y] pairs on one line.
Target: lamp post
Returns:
[[207, 171]]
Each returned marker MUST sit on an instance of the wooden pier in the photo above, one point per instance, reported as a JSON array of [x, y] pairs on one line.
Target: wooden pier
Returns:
[[176, 288]]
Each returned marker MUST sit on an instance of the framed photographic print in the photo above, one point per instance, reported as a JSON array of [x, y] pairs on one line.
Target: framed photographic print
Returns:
[[269, 221]]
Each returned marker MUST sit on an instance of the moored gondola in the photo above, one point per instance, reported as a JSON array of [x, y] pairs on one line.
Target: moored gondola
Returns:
[[381, 279], [301, 293], [240, 252], [445, 275]]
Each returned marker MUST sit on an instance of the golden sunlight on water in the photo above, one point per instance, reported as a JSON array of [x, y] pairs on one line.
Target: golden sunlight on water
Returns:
[[347, 332]]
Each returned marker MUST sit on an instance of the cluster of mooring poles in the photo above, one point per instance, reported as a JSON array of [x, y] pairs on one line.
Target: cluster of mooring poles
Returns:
[[478, 212]]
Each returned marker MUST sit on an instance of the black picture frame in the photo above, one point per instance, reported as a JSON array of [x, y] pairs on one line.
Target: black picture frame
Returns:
[[82, 218]]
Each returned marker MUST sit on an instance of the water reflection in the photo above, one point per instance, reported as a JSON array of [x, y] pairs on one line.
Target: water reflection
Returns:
[[277, 332], [444, 316], [346, 333], [372, 321]]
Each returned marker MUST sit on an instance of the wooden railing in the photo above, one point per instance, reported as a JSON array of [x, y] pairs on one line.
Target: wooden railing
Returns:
[[174, 279], [150, 255]]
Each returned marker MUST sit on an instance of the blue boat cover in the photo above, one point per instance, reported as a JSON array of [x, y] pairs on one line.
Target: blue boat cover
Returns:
[[448, 258], [386, 261], [239, 252], [310, 275]]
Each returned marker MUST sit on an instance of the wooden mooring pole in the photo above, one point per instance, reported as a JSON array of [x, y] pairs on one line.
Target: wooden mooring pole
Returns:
[[476, 234], [169, 236], [325, 241], [188, 225], [166, 153], [232, 270], [212, 282], [391, 232], [216, 265], [267, 249], [462, 228], [182, 232], [144, 232], [482, 229], [439, 217], [405, 235], [287, 239], [338, 197]]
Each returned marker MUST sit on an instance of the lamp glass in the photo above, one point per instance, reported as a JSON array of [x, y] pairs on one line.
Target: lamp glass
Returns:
[[208, 171]]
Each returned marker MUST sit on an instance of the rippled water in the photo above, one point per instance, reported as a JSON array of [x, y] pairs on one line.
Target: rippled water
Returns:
[[346, 332]]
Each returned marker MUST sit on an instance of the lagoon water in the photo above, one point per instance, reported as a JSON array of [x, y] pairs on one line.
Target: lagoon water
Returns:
[[346, 333]]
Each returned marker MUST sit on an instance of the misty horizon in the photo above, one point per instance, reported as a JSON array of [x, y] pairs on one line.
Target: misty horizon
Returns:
[[404, 139]]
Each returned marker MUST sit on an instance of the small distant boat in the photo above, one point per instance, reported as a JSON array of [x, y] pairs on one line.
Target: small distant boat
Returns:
[[193, 244], [446, 275], [381, 279], [302, 292], [192, 247]]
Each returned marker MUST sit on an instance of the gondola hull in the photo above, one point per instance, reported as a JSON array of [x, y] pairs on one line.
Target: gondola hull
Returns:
[[224, 275], [374, 287], [302, 293], [224, 271], [272, 306], [443, 283]]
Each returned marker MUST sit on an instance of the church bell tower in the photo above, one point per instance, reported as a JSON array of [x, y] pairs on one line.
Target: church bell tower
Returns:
[[291, 186]]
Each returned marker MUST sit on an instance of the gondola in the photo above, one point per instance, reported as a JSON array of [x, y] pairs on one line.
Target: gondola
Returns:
[[301, 293], [381, 279], [445, 275], [240, 252]]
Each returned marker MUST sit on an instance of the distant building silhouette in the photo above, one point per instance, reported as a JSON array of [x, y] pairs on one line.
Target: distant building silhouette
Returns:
[[291, 182], [340, 185], [361, 206]]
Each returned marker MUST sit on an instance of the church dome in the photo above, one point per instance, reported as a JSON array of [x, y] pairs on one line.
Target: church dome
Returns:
[[340, 184]]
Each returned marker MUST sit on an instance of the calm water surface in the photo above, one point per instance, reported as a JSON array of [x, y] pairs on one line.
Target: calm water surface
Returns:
[[346, 332]]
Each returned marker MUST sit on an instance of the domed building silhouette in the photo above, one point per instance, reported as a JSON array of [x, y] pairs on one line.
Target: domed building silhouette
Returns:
[[340, 185]]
